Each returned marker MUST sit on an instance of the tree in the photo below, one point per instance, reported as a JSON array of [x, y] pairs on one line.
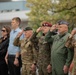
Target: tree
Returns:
[[64, 9], [39, 12]]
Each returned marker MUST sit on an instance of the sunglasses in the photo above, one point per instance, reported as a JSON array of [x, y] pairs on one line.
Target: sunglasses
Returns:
[[3, 30]]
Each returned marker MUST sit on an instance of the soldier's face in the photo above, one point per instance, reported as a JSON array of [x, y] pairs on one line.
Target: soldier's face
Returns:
[[45, 29], [62, 29], [28, 33]]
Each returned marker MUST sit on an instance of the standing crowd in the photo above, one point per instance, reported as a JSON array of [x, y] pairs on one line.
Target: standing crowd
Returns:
[[23, 52]]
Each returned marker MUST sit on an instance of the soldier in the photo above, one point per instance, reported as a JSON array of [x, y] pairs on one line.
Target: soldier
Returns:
[[27, 52], [61, 56], [71, 43], [44, 48]]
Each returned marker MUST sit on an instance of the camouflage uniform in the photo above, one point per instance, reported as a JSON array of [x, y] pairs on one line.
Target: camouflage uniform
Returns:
[[27, 55], [74, 60], [71, 43], [44, 55]]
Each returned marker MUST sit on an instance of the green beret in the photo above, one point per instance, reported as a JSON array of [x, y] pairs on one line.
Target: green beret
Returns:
[[27, 28]]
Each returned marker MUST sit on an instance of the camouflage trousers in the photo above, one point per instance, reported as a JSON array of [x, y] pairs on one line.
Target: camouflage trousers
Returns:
[[42, 69], [74, 61], [26, 70]]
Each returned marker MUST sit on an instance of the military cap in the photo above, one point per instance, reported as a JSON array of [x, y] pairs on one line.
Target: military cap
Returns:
[[62, 22], [47, 24], [27, 28]]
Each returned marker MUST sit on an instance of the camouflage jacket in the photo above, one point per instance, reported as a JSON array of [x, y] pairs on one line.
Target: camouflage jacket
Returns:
[[28, 52], [44, 49], [71, 42]]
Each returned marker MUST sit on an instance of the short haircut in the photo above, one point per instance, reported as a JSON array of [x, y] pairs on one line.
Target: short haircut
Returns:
[[17, 19]]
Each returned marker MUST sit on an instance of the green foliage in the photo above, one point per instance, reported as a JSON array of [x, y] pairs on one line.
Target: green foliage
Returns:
[[39, 12], [46, 10], [66, 9]]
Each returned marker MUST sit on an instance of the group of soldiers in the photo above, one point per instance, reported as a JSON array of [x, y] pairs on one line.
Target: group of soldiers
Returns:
[[35, 50], [51, 53], [50, 49]]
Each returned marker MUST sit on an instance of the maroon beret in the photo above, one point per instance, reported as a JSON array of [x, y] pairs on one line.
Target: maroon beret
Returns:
[[47, 24]]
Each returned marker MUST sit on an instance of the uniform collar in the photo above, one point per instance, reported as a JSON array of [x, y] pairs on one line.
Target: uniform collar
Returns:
[[15, 29], [61, 35]]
